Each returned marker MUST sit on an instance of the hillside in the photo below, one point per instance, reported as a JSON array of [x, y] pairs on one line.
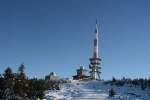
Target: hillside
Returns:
[[96, 90]]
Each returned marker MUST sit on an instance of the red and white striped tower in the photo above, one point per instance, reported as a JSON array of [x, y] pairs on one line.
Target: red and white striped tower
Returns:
[[95, 60]]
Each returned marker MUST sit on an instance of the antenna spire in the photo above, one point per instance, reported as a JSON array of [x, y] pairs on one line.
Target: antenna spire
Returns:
[[95, 60]]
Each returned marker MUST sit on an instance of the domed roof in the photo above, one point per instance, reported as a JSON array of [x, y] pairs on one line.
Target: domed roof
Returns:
[[53, 74]]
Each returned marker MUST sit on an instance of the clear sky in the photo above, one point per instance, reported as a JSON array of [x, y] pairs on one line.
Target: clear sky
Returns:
[[57, 35]]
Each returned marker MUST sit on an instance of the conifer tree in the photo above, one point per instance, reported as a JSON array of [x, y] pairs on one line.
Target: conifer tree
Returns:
[[8, 75], [112, 92], [1, 86], [21, 85], [8, 83]]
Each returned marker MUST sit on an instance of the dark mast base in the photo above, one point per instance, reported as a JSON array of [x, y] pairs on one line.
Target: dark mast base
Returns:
[[95, 67]]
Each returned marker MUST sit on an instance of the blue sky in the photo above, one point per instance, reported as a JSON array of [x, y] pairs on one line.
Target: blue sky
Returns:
[[57, 35]]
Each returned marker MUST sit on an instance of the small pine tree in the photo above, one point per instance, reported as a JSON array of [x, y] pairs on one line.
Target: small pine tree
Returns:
[[114, 79], [142, 86], [112, 92]]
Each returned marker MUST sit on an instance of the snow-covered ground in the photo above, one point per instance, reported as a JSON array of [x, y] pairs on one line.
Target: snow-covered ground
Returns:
[[96, 90]]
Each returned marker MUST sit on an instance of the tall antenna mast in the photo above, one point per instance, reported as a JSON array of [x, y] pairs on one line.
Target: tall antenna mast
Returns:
[[95, 60]]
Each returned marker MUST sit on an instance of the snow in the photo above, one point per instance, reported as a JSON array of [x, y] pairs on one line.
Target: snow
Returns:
[[96, 90]]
